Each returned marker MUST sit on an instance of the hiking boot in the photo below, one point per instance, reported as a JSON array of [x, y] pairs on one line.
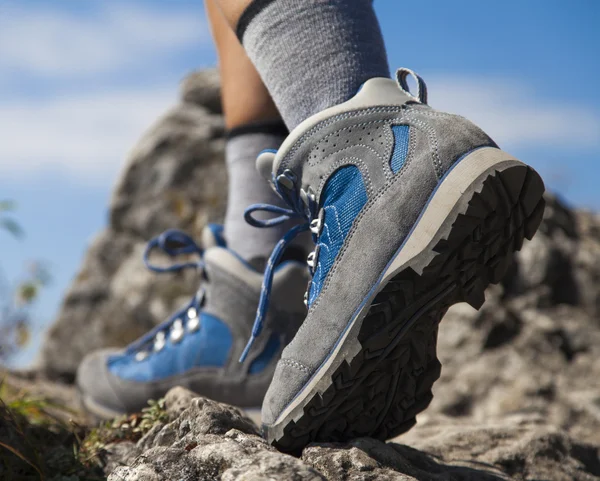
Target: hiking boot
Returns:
[[199, 346], [412, 210]]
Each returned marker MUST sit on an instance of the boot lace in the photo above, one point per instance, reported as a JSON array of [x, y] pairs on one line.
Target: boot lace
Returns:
[[174, 243], [303, 207]]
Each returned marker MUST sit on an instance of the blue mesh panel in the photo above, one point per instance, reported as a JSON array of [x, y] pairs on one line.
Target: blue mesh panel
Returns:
[[400, 147], [209, 346], [266, 356], [343, 198]]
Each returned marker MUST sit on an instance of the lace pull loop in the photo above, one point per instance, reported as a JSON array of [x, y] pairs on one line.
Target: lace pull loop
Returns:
[[173, 242], [402, 75], [284, 215]]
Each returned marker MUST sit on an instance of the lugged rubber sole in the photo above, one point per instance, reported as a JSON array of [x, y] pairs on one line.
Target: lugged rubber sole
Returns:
[[381, 374]]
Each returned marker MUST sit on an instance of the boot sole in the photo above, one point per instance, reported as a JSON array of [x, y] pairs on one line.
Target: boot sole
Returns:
[[380, 374]]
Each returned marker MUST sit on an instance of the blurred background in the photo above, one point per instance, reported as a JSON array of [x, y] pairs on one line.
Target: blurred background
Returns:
[[81, 81]]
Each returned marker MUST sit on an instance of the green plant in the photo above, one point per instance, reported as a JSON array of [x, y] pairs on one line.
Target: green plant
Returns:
[[16, 302], [93, 448], [36, 444], [17, 298]]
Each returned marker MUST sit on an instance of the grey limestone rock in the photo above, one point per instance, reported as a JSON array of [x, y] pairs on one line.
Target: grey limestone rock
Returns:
[[206, 440]]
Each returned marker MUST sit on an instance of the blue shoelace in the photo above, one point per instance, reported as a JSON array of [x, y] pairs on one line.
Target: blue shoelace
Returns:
[[174, 243], [303, 207]]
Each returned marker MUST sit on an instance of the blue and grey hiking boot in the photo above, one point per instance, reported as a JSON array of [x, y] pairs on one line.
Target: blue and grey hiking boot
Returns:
[[199, 346], [412, 210]]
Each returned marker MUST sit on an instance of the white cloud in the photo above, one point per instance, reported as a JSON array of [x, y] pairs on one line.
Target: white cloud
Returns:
[[58, 124], [89, 135], [512, 114], [86, 136], [53, 42]]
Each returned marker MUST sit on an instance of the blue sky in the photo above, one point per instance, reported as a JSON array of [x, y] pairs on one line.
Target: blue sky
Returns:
[[80, 81]]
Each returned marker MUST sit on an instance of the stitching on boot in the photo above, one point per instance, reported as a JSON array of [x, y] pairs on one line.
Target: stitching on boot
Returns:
[[295, 364], [356, 113], [388, 138]]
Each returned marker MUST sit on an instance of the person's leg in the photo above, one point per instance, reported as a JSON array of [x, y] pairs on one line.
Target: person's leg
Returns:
[[253, 125], [412, 210], [245, 98], [311, 54]]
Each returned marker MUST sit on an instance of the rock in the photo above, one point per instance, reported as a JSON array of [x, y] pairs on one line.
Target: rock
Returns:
[[506, 360], [516, 448], [206, 440], [203, 88], [562, 262], [173, 178]]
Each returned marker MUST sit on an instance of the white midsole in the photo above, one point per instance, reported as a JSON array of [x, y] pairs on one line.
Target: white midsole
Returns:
[[451, 189]]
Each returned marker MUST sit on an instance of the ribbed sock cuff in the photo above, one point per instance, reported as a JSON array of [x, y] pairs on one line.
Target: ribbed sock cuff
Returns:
[[251, 11]]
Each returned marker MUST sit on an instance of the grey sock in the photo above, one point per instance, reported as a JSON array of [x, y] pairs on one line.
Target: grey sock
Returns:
[[247, 187], [312, 54]]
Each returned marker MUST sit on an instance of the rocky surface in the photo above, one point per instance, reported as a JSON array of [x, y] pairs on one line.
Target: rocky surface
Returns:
[[205, 440], [173, 178]]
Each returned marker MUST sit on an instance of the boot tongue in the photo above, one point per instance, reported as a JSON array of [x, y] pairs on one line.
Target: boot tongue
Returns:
[[212, 236], [225, 261], [265, 164], [258, 263], [293, 253]]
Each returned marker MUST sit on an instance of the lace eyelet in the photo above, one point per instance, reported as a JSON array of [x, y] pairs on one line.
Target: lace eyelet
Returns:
[[307, 196], [316, 225], [159, 341], [141, 355], [310, 260], [177, 332], [309, 199], [313, 259], [193, 323]]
